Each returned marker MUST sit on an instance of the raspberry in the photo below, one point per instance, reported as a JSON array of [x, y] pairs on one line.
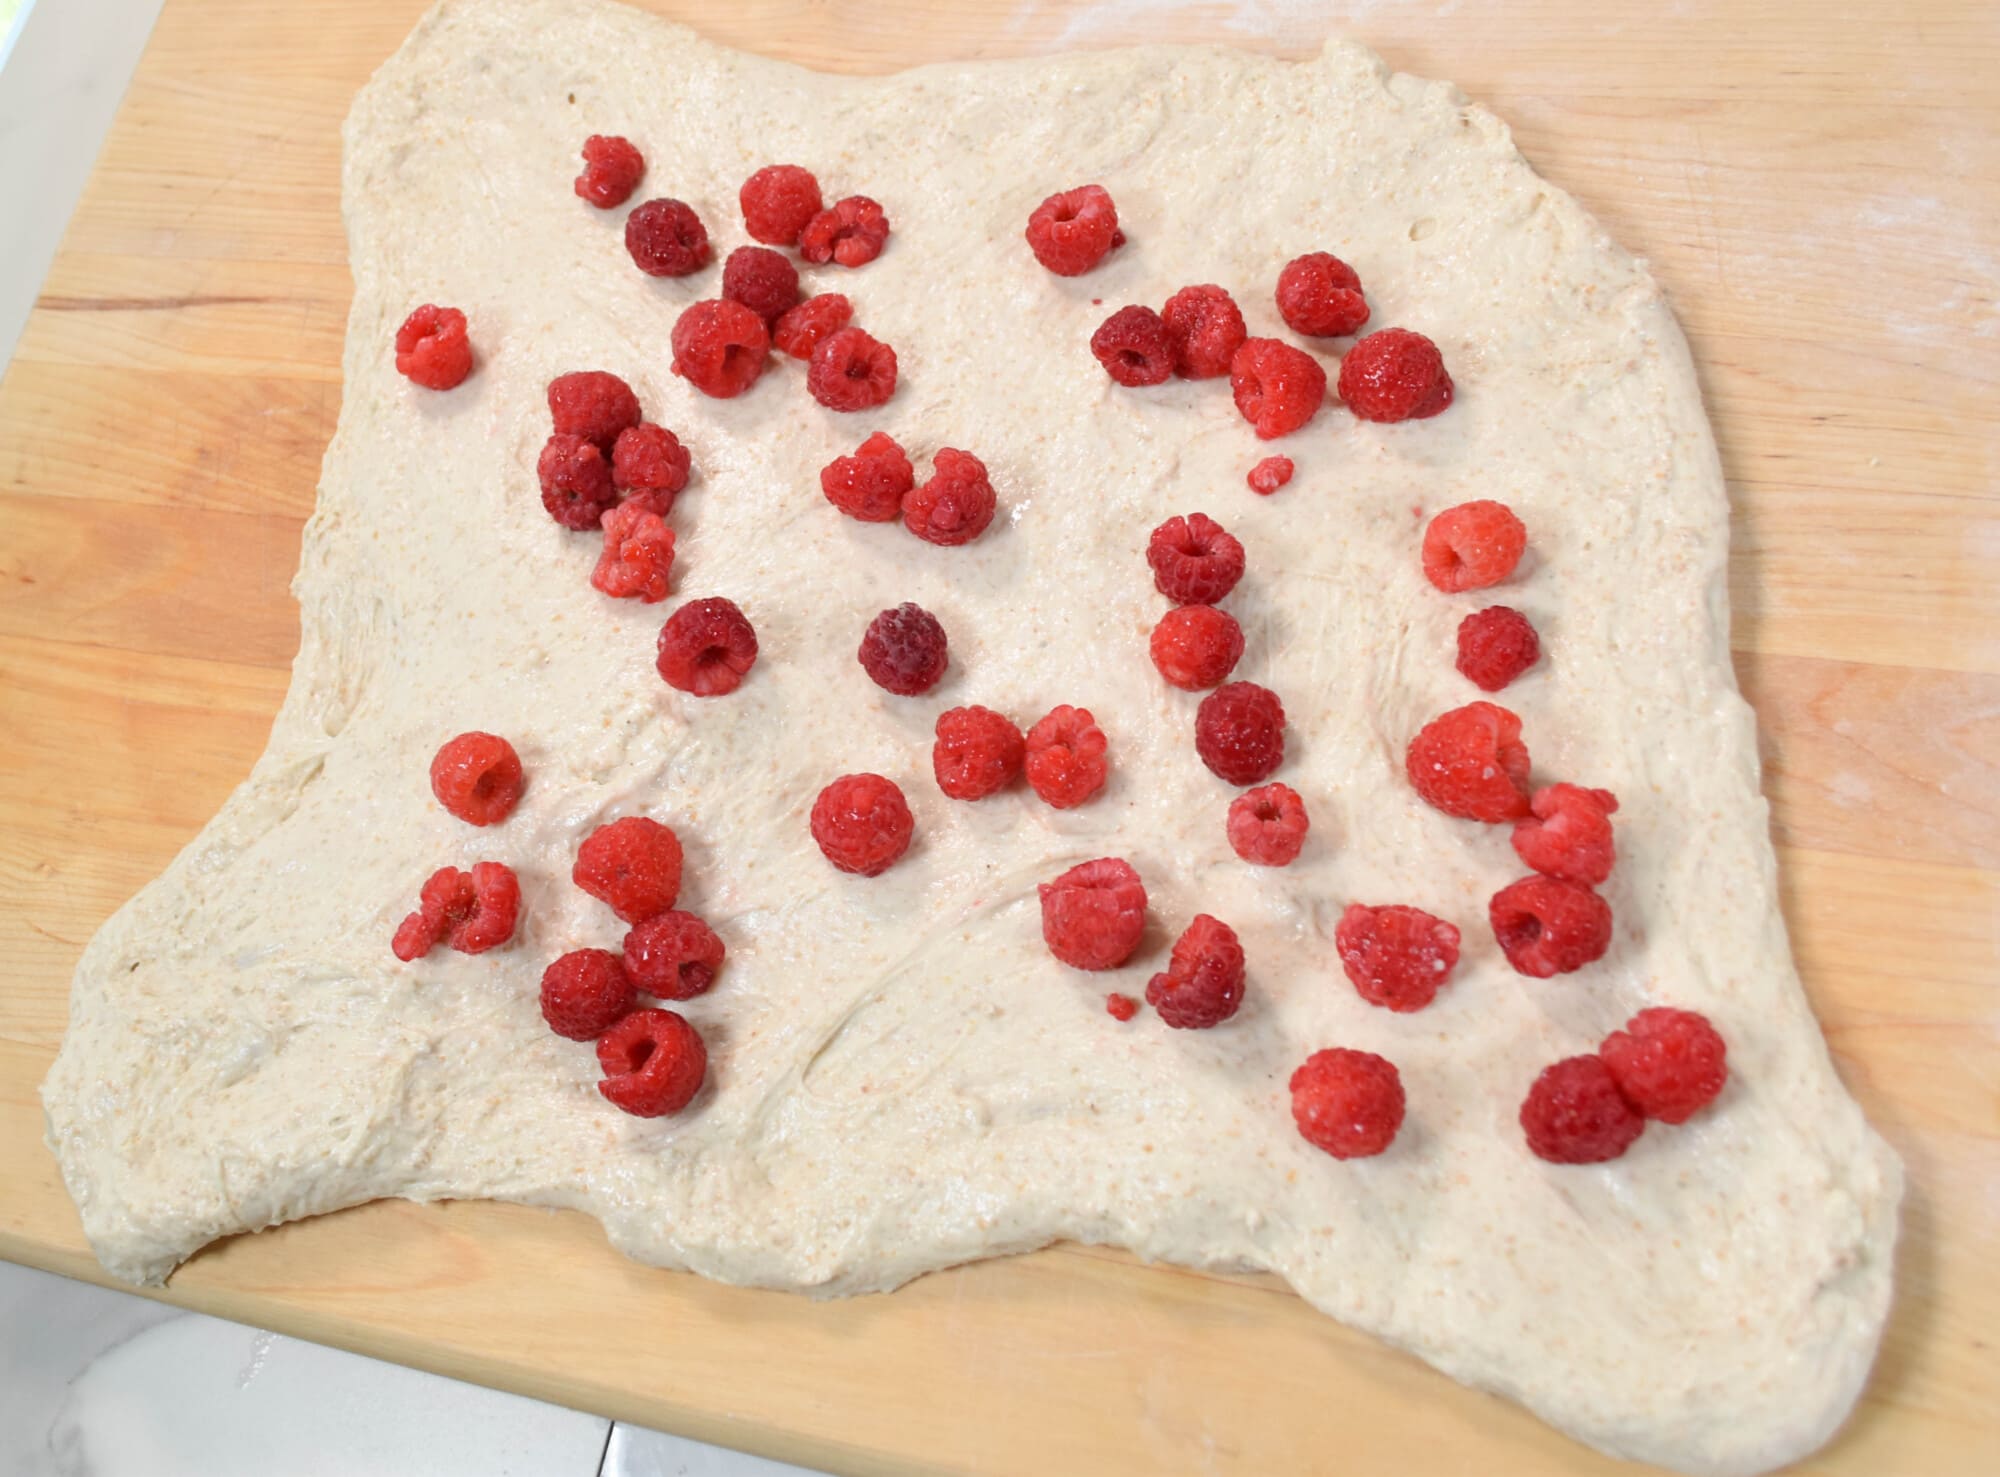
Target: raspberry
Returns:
[[650, 466], [1133, 347], [1575, 1114], [706, 647], [1496, 645], [719, 347], [1396, 957], [1203, 982], [1394, 375], [760, 279], [1349, 1103], [1204, 329], [1120, 1007], [903, 650], [1268, 825], [594, 405], [851, 371], [1669, 1064], [1269, 475], [585, 993], [633, 864], [869, 485], [1473, 545], [1319, 296], [1070, 233], [977, 752], [1569, 834], [1471, 763], [576, 481], [666, 238], [1239, 731], [1093, 914], [477, 777], [1278, 388], [653, 1062], [432, 349], [611, 170], [849, 232], [799, 330], [1195, 560], [957, 503], [1065, 757], [862, 823], [777, 202], [468, 911], [1548, 926], [673, 955], [1196, 646], [638, 555]]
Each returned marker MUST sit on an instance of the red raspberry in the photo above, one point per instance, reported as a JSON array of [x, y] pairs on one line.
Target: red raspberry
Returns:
[[477, 777], [1195, 560], [1496, 645], [706, 647], [1268, 825], [638, 555], [777, 202], [1239, 731], [1319, 296], [666, 238], [977, 752], [1668, 1063], [611, 170], [1065, 757], [1278, 388], [673, 955], [1394, 375], [851, 371], [1548, 926], [1471, 763], [903, 650], [1575, 1114], [799, 330], [1093, 914], [1569, 834], [1473, 545], [1349, 1103], [1070, 233], [1396, 957], [1205, 329], [432, 349], [719, 347], [650, 466], [1269, 475], [862, 823], [585, 993], [467, 911], [653, 1062], [633, 864], [1121, 1007], [1196, 646], [593, 405], [760, 279], [1133, 347], [576, 482], [850, 232], [1203, 982], [957, 503], [871, 484]]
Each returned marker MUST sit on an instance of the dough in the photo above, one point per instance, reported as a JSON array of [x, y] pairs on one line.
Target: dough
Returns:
[[902, 1078]]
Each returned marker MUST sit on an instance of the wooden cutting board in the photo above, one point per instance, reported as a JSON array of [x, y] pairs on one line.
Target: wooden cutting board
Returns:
[[1816, 188]]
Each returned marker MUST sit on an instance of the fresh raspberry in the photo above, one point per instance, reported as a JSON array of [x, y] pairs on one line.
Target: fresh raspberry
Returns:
[[706, 647], [1203, 982], [1349, 1103], [1195, 560], [650, 466], [673, 955], [1278, 388], [1133, 347], [666, 238], [1268, 825], [870, 484], [1205, 329], [1269, 475], [1093, 914], [1196, 646], [1070, 233], [1496, 645], [477, 777], [1065, 757], [719, 347], [432, 349], [862, 823], [849, 232], [576, 481], [1575, 1114], [1473, 545], [467, 911], [1394, 375], [653, 1063], [1120, 1007], [799, 330], [1239, 731], [1569, 834], [594, 405], [850, 370], [1396, 957], [585, 993], [760, 279], [1471, 763], [977, 752], [1668, 1063], [903, 650], [957, 503], [633, 864], [612, 168], [1319, 296], [638, 555], [777, 202], [1548, 926]]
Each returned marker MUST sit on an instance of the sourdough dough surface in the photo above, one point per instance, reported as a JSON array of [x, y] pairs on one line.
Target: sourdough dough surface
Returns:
[[902, 1078]]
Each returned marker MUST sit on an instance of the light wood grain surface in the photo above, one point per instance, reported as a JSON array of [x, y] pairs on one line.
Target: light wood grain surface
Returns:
[[1816, 186]]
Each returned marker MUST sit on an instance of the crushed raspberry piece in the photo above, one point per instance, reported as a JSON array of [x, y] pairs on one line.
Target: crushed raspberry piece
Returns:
[[467, 911], [977, 753], [1394, 375], [1065, 757], [957, 503], [612, 168], [576, 481], [1668, 1063], [1569, 833], [1319, 296], [1278, 388], [1575, 1114], [1195, 560], [1496, 645], [903, 650], [1547, 926], [1093, 915], [799, 330], [1070, 233], [1268, 825], [1396, 957], [432, 349], [673, 955], [477, 777], [719, 347], [633, 864], [654, 1063], [1471, 763], [1239, 731], [1473, 545], [1269, 475], [1203, 982], [1204, 329], [870, 484], [849, 232], [594, 405], [585, 993], [666, 238], [1133, 347], [638, 555], [1120, 1007], [706, 647], [1349, 1103], [862, 823], [851, 370], [650, 466], [777, 202], [760, 279], [1196, 646]]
